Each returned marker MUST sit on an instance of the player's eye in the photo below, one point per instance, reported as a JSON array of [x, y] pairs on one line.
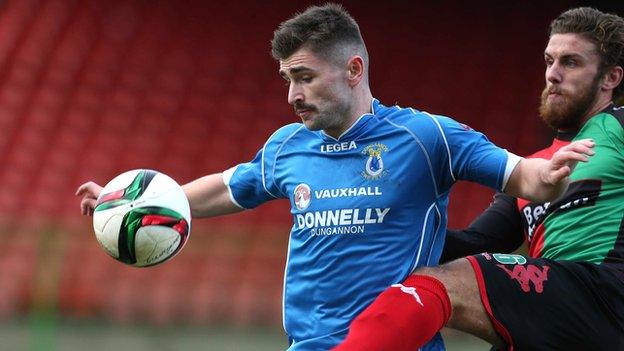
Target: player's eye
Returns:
[[285, 78]]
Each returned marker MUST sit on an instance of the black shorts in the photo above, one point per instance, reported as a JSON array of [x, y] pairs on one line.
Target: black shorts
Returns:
[[541, 304]]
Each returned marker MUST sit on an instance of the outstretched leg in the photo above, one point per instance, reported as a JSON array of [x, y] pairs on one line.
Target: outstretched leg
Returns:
[[407, 315], [469, 314]]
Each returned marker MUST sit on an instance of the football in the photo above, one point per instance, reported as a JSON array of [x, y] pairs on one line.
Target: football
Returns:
[[142, 218]]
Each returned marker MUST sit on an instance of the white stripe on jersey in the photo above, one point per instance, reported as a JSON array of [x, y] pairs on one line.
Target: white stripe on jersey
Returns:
[[435, 235], [262, 170], [422, 236], [284, 290], [422, 147], [448, 150], [512, 162], [262, 167], [227, 176]]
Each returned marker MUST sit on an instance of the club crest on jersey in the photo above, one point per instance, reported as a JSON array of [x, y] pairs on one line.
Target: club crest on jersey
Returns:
[[374, 168], [302, 196]]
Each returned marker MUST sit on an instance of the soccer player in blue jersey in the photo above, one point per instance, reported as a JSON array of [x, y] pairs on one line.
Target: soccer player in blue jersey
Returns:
[[368, 184]]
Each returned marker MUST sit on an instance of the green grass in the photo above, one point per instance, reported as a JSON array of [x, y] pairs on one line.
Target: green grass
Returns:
[[52, 334]]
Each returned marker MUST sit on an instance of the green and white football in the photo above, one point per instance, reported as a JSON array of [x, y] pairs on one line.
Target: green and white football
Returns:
[[142, 218]]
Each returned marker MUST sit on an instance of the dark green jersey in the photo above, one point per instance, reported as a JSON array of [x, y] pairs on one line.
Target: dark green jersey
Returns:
[[587, 223]]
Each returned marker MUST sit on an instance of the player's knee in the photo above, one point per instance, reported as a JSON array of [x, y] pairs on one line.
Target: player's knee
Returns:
[[457, 277], [467, 311], [448, 273]]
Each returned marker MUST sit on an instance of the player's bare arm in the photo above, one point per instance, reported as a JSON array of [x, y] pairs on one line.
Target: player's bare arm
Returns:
[[208, 196], [543, 180]]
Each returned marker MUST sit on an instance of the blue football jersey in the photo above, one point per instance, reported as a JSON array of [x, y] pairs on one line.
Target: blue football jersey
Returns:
[[367, 208]]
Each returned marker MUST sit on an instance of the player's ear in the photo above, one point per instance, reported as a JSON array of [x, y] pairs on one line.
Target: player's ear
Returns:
[[355, 70], [612, 78]]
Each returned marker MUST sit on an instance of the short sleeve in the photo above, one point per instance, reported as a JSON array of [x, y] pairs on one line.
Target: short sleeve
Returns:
[[472, 157], [253, 183]]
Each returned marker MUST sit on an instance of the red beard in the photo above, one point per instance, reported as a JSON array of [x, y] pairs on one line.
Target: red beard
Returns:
[[569, 113]]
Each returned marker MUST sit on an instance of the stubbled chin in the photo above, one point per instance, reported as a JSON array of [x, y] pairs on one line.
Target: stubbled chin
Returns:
[[309, 123]]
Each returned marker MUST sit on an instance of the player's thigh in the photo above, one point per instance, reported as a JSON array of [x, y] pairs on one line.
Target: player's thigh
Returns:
[[541, 304]]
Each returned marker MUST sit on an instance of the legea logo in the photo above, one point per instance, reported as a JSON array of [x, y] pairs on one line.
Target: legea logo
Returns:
[[302, 196]]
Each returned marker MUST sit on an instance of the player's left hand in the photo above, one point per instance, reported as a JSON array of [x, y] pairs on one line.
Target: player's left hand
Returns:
[[565, 159], [89, 192]]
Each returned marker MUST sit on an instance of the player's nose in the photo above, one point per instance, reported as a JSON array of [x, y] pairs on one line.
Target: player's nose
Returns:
[[295, 94], [554, 73]]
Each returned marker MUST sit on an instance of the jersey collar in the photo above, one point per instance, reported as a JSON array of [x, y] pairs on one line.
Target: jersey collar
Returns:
[[358, 126], [608, 109], [568, 135]]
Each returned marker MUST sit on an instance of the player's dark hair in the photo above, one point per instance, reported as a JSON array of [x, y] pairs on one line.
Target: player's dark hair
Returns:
[[328, 31], [605, 30]]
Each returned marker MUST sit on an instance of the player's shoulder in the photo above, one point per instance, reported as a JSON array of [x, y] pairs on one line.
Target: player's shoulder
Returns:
[[283, 139], [608, 123], [414, 119], [610, 113], [617, 112], [286, 132]]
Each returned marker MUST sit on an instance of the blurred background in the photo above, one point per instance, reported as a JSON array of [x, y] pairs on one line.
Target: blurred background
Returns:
[[91, 88]]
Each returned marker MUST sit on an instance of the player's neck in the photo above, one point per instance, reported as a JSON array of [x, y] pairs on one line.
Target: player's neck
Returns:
[[361, 106], [602, 103]]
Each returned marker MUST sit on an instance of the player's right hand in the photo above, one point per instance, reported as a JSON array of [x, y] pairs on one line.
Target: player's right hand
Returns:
[[563, 162], [89, 192]]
